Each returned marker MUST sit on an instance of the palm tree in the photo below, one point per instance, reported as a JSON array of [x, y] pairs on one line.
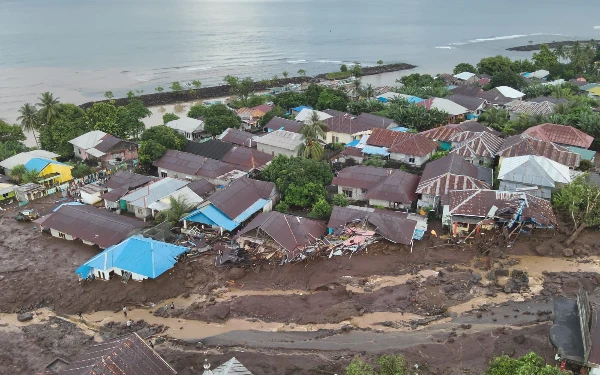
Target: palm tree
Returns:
[[17, 173], [302, 72], [313, 130], [49, 107], [29, 118], [560, 52], [494, 117], [561, 92], [285, 74], [31, 176], [369, 91], [179, 208], [356, 87]]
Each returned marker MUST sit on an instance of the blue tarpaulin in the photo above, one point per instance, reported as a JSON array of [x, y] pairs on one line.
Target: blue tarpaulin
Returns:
[[139, 255], [373, 150], [353, 143], [401, 129]]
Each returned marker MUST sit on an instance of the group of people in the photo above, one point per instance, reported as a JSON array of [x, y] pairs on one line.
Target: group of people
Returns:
[[73, 192]]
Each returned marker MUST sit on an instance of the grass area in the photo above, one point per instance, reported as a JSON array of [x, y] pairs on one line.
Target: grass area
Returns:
[[338, 75]]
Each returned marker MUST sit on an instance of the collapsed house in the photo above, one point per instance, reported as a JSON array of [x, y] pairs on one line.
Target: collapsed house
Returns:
[[231, 367], [361, 223], [474, 210], [575, 333]]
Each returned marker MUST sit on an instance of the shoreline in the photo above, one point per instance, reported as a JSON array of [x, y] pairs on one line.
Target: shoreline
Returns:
[[536, 47], [171, 97]]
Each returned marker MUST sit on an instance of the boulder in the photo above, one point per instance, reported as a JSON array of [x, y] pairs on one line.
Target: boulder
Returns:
[[567, 252], [25, 317], [542, 249], [236, 273]]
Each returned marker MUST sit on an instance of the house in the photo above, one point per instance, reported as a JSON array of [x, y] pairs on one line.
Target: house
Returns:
[[473, 104], [493, 97], [191, 128], [415, 150], [397, 227], [452, 172], [229, 207], [238, 137], [185, 194], [125, 355], [50, 172], [550, 99], [252, 115], [443, 135], [103, 147], [140, 200], [562, 134], [177, 164], [385, 187], [537, 175], [594, 92], [280, 142], [479, 148], [22, 158], [294, 111], [137, 258], [517, 108], [584, 153], [334, 113], [92, 193], [121, 183], [7, 191], [455, 111], [29, 192], [247, 159], [385, 137], [231, 367], [345, 129], [376, 122], [466, 77], [201, 187], [353, 153], [93, 226], [307, 113], [212, 149], [522, 145], [278, 232], [477, 209], [508, 92], [278, 123]]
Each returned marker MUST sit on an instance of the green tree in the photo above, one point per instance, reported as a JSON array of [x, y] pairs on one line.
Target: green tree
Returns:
[[561, 92], [340, 200], [17, 173], [375, 161], [302, 72], [312, 94], [365, 106], [108, 95], [285, 171], [305, 195], [356, 70], [321, 210], [197, 84], [254, 100], [282, 207], [388, 365], [218, 117], [494, 65], [289, 100], [416, 117], [343, 68], [313, 131], [420, 80], [179, 207], [176, 87], [464, 67], [242, 88], [150, 151], [579, 199], [130, 94], [31, 176], [285, 74], [81, 170], [11, 148], [530, 364], [48, 108], [197, 110], [379, 62], [70, 123], [277, 111], [560, 52], [520, 66], [168, 117], [11, 133], [29, 120], [438, 155], [163, 135], [545, 59], [333, 99], [369, 91], [507, 78], [494, 118], [159, 89], [104, 117]]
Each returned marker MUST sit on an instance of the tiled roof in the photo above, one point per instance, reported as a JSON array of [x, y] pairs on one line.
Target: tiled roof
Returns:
[[417, 145], [386, 138], [482, 144], [346, 125], [562, 134], [523, 145], [442, 133]]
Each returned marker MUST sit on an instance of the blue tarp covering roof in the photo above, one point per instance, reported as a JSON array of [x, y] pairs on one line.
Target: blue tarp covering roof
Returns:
[[301, 107], [255, 207], [210, 215], [399, 129], [143, 256], [414, 100], [353, 143], [372, 150], [39, 163]]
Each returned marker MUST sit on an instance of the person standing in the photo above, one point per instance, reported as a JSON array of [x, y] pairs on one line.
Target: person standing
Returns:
[[125, 311], [172, 306]]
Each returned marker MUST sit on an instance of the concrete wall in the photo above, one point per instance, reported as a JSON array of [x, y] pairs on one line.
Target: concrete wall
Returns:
[[357, 194], [388, 204], [88, 198], [480, 160], [419, 160], [427, 200], [80, 153], [111, 205], [140, 212], [330, 137], [272, 150], [542, 192], [62, 235], [105, 274]]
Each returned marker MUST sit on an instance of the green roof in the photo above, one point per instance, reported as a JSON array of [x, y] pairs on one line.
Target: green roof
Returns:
[[585, 154]]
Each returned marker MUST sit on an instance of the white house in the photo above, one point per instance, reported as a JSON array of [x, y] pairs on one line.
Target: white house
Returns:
[[189, 127], [279, 142], [140, 200], [537, 175]]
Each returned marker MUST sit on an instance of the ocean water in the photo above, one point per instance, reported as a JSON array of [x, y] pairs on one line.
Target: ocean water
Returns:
[[78, 49]]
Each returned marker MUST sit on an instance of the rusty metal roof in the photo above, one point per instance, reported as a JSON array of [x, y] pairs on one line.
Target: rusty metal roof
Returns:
[[91, 224], [346, 125], [563, 134], [451, 163], [417, 145], [442, 133], [236, 197], [201, 187], [128, 180], [352, 151], [386, 138], [247, 159], [521, 145], [277, 123], [128, 355], [374, 121], [290, 232], [478, 203], [237, 137], [482, 144], [190, 164], [361, 176], [452, 172]]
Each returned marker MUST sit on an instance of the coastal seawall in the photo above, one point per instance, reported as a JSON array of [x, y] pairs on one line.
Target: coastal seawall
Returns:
[[172, 97]]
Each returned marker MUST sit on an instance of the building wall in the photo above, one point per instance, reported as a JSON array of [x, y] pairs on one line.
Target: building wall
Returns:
[[140, 212], [63, 170], [182, 176], [90, 198], [335, 137], [122, 150], [62, 235], [542, 192], [105, 274], [418, 160], [427, 200], [480, 160], [7, 193], [80, 153], [357, 194], [111, 205], [272, 150], [388, 204]]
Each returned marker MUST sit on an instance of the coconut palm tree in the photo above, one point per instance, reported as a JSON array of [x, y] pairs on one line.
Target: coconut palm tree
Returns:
[[369, 91], [356, 87], [561, 92], [302, 72], [49, 107], [31, 176], [179, 208], [17, 173], [29, 119], [494, 117], [560, 52], [313, 130]]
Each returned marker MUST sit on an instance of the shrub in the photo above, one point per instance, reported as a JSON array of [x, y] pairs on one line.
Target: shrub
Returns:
[[339, 75], [340, 200], [585, 165], [282, 207]]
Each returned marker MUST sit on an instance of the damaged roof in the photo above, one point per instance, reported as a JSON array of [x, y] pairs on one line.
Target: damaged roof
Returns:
[[91, 224], [393, 226], [124, 355], [290, 232], [481, 144], [190, 164], [521, 145], [563, 134], [478, 202]]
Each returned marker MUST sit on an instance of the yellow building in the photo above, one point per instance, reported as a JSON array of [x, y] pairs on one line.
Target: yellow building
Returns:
[[51, 172]]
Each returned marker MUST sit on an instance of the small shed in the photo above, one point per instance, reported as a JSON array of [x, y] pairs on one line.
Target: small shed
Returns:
[[29, 192], [90, 193]]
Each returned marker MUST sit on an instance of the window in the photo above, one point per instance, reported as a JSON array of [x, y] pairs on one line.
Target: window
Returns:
[[62, 235], [347, 193], [163, 174], [364, 191], [480, 162], [140, 211], [411, 159]]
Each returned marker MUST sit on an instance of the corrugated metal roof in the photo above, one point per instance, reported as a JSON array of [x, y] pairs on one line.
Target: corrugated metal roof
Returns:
[[534, 170], [464, 76], [240, 194], [210, 215], [374, 150], [282, 139], [374, 121], [247, 159], [127, 180], [481, 144], [524, 145], [469, 102], [88, 140], [146, 195], [37, 164], [186, 124], [346, 125], [397, 187], [185, 194], [361, 176], [213, 148], [307, 113], [24, 157], [509, 92], [112, 356], [201, 187], [417, 145], [445, 105], [190, 164], [451, 163], [442, 133], [531, 108], [278, 123], [231, 367], [386, 138], [143, 256], [237, 137], [582, 152], [562, 134]]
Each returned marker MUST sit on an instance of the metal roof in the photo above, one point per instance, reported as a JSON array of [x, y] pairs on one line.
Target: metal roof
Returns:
[[509, 92], [201, 187], [240, 194], [91, 224], [452, 172], [534, 170], [482, 144], [237, 137], [469, 102], [307, 113], [445, 105], [24, 157], [88, 140], [582, 152], [143, 256], [451, 163], [521, 145], [417, 145], [213, 148], [246, 158], [346, 125], [562, 134], [190, 164], [361, 176], [127, 180], [155, 191], [185, 194], [464, 76], [442, 133], [531, 108], [278, 123], [386, 138], [399, 186], [112, 356], [231, 367], [37, 164], [282, 139], [186, 124], [375, 121]]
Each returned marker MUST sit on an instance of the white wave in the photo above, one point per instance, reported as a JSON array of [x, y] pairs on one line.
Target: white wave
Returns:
[[597, 27], [297, 61], [199, 68], [329, 61], [444, 47], [504, 37]]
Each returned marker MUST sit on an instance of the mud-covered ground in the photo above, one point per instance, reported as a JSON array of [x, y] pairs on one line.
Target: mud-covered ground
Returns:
[[389, 298]]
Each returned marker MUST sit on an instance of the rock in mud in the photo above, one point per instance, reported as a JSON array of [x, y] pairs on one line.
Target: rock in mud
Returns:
[[24, 317], [542, 249], [236, 273], [568, 252]]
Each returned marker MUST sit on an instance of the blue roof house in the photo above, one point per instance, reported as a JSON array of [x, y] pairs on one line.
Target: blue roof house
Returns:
[[138, 257]]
